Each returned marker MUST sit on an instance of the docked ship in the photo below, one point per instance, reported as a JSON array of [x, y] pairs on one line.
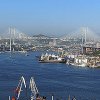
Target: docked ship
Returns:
[[51, 58]]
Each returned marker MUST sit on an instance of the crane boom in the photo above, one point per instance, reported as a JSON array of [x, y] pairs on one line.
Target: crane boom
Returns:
[[34, 90], [19, 87]]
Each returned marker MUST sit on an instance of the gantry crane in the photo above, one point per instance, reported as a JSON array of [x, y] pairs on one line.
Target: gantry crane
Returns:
[[34, 90], [32, 87], [19, 87]]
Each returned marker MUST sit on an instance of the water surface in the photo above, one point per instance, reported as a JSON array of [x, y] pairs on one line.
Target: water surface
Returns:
[[58, 79]]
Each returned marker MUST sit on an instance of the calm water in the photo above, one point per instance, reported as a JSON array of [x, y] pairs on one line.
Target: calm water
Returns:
[[59, 79]]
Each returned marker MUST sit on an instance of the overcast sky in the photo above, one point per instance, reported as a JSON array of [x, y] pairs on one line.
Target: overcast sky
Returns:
[[53, 17]]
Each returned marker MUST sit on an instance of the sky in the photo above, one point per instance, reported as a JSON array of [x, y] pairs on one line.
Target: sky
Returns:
[[51, 17]]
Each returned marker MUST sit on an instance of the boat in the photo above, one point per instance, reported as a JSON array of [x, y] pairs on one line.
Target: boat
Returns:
[[82, 65], [97, 65], [51, 58]]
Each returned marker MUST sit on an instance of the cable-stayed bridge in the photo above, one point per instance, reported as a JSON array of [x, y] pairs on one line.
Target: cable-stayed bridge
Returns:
[[14, 34], [83, 33]]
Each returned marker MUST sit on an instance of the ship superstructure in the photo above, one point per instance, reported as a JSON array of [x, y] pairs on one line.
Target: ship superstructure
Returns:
[[51, 58]]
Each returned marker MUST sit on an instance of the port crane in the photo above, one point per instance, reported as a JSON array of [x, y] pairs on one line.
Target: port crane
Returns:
[[34, 91], [33, 88], [19, 87]]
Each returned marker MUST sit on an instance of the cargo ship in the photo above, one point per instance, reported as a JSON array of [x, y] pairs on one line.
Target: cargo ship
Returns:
[[51, 58]]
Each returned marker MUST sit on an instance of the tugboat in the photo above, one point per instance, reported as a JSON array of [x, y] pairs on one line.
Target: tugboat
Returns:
[[51, 58]]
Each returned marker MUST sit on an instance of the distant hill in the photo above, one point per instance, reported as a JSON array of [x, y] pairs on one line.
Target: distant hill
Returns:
[[41, 36]]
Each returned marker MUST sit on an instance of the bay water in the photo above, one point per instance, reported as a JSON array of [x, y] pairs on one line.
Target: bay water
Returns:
[[58, 79]]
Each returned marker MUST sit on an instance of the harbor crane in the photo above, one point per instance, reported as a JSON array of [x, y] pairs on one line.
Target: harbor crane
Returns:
[[34, 90], [32, 87], [19, 87]]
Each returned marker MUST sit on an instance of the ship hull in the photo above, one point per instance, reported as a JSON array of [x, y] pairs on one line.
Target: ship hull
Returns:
[[52, 61]]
